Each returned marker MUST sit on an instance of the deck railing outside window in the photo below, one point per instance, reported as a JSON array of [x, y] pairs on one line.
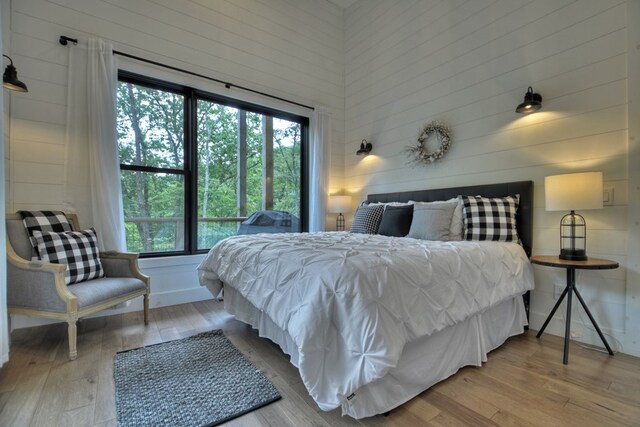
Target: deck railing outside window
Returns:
[[167, 234]]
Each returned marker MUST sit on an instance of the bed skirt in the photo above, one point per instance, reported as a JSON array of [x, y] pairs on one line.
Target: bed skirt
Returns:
[[423, 363]]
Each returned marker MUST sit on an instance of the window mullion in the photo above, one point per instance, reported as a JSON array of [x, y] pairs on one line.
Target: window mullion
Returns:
[[242, 164], [191, 161], [267, 162]]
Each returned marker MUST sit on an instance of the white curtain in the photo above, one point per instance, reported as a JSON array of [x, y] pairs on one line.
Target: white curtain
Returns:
[[4, 318], [319, 166], [92, 164]]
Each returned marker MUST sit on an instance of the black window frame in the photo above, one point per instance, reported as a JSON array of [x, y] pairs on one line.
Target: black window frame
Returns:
[[190, 162]]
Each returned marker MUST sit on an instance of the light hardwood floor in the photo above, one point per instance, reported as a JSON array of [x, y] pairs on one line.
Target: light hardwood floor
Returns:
[[524, 383]]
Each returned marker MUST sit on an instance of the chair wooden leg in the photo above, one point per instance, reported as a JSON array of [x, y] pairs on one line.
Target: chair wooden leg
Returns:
[[73, 336], [146, 309]]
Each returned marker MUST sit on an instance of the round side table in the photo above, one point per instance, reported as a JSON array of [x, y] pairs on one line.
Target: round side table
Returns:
[[571, 267]]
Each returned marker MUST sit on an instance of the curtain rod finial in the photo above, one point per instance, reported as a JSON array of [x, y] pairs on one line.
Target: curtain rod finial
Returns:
[[64, 40]]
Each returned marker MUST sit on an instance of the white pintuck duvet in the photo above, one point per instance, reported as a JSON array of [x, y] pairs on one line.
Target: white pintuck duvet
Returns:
[[350, 302]]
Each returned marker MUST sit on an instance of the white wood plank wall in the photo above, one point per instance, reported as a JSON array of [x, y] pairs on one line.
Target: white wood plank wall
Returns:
[[288, 48], [5, 12], [468, 64], [293, 49]]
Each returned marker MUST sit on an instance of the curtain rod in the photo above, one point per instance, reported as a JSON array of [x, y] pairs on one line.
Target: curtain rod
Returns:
[[64, 40]]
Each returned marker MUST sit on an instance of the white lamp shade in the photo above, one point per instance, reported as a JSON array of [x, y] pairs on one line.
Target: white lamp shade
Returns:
[[573, 191], [339, 204]]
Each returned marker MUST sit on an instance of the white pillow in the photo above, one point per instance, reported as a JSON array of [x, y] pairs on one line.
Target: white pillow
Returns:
[[432, 221], [456, 227], [457, 221]]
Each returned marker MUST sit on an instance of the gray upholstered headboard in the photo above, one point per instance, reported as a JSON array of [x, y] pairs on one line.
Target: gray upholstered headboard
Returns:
[[524, 218]]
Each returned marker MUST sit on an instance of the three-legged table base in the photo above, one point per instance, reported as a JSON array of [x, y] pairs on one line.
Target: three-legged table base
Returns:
[[568, 291]]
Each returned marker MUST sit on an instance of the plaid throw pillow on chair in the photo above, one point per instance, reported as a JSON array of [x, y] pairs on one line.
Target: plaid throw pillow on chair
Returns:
[[77, 249], [55, 221]]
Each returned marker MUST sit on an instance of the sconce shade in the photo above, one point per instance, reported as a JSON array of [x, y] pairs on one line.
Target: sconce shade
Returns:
[[569, 192], [10, 78], [365, 148], [339, 204], [532, 102]]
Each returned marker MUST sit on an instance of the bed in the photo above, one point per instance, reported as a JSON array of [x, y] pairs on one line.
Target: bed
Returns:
[[371, 321]]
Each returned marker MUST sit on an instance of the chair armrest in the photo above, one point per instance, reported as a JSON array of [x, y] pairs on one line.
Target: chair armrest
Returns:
[[123, 264], [37, 285]]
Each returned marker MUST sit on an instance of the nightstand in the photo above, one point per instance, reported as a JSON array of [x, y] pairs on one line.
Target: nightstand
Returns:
[[571, 267]]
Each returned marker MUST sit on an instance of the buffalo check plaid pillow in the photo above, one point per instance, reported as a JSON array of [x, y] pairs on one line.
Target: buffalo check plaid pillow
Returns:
[[55, 221], [367, 219], [491, 218], [77, 249]]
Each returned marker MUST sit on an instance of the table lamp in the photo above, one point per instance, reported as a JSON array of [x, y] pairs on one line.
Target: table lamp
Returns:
[[571, 192], [339, 204]]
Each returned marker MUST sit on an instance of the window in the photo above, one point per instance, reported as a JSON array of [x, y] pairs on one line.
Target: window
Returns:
[[197, 168]]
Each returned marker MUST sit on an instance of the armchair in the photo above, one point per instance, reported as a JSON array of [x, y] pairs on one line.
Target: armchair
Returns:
[[37, 288]]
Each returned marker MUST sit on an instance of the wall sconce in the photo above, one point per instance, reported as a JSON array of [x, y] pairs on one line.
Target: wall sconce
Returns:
[[10, 78], [365, 148], [532, 103], [570, 192]]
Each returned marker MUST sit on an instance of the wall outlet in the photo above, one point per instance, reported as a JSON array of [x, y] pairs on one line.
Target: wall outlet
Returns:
[[607, 196], [557, 289]]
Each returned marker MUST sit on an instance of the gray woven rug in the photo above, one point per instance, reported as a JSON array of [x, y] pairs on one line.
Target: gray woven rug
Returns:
[[201, 380]]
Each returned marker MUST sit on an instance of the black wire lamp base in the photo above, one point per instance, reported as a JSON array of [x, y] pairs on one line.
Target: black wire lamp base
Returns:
[[573, 237], [340, 222]]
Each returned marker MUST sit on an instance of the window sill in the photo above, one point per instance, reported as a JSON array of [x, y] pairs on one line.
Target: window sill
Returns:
[[170, 261]]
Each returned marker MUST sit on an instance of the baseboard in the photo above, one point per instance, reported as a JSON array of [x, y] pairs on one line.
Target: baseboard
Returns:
[[156, 300]]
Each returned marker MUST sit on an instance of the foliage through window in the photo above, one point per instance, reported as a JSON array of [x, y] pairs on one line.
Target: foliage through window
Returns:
[[197, 168]]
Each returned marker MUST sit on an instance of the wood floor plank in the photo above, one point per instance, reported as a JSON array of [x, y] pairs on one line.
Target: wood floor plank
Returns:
[[507, 419], [622, 411], [628, 392], [503, 398], [524, 382], [82, 393], [273, 415], [460, 412], [109, 423], [52, 402], [409, 415], [40, 348], [105, 405], [112, 338], [248, 420], [195, 318], [78, 417], [23, 400], [297, 410], [523, 379], [460, 394], [561, 414]]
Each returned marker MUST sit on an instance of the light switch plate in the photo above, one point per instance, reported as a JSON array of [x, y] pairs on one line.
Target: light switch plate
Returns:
[[607, 196]]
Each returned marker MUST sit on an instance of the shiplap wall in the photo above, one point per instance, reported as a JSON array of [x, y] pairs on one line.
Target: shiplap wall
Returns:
[[5, 13], [468, 64], [289, 48], [4, 106]]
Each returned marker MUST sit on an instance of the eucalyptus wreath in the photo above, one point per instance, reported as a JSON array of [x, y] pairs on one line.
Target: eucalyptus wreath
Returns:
[[421, 153]]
